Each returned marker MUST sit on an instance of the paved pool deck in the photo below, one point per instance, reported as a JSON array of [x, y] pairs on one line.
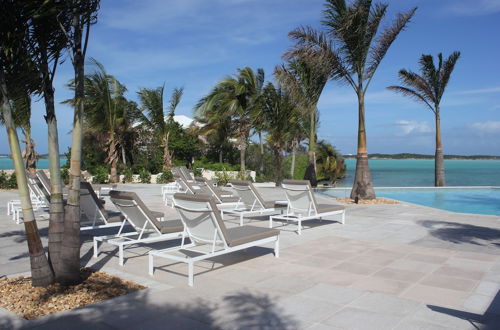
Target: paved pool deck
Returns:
[[399, 266]]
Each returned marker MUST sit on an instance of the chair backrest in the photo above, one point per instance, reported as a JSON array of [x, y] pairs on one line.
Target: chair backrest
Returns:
[[90, 204], [44, 181], [36, 191], [185, 186], [300, 197], [201, 219], [186, 174], [248, 195], [135, 211], [205, 187]]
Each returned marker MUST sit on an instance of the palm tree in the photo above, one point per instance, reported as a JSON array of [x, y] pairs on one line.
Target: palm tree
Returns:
[[235, 97], [278, 113], [305, 78], [154, 119], [354, 29], [330, 162], [428, 88], [216, 130]]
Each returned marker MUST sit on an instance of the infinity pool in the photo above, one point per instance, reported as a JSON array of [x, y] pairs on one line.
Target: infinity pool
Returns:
[[482, 200]]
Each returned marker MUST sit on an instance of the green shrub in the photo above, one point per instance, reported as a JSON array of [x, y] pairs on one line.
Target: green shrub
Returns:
[[100, 174], [3, 180], [145, 176], [243, 176], [128, 175], [197, 172], [165, 177], [12, 182], [222, 178], [65, 175]]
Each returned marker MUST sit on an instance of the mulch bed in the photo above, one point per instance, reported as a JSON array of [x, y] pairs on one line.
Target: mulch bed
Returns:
[[365, 202], [18, 296]]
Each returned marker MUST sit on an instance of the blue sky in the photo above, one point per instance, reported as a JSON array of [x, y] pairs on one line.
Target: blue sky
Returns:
[[196, 43]]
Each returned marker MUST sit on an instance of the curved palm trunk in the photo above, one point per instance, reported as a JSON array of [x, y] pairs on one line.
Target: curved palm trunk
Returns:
[[311, 154], [439, 177], [363, 187], [41, 273], [70, 254], [294, 152], [243, 148], [261, 167], [113, 159]]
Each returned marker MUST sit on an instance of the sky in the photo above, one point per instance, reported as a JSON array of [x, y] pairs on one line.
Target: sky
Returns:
[[196, 43]]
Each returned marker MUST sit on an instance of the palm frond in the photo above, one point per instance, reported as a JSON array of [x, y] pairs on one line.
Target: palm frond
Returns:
[[412, 94]]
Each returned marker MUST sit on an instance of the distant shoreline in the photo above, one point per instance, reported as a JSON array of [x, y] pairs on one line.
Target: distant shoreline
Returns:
[[405, 156]]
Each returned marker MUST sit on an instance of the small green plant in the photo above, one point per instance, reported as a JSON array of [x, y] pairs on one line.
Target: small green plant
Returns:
[[3, 180], [128, 175], [12, 182], [222, 178], [65, 175], [145, 176], [100, 174], [197, 172], [165, 177], [244, 176]]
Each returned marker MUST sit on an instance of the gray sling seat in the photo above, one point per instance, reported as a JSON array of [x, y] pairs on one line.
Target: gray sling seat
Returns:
[[208, 234], [219, 192], [183, 172], [147, 228], [302, 204], [93, 209], [44, 181], [251, 202]]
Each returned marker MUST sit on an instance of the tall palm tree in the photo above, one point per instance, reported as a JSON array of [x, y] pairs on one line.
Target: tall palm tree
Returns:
[[428, 88], [305, 78], [235, 97], [354, 29], [215, 129], [278, 113], [154, 118]]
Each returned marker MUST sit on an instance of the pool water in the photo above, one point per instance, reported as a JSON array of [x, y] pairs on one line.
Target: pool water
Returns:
[[484, 200]]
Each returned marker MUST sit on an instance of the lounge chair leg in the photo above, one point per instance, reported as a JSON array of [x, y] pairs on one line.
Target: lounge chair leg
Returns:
[[151, 264], [277, 247], [120, 254], [190, 273], [299, 231], [241, 219], [270, 222], [96, 247], [343, 218]]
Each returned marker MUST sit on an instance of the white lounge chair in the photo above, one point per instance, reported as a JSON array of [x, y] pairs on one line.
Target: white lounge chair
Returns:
[[208, 234], [93, 209], [145, 223], [302, 205], [251, 202], [38, 200], [183, 172]]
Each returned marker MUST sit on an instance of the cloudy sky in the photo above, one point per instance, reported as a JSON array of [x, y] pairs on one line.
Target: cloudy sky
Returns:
[[196, 43]]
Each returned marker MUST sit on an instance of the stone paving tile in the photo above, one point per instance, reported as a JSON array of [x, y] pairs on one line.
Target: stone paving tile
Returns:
[[399, 274], [316, 262], [435, 295], [449, 317], [470, 264], [447, 282], [382, 285], [487, 288], [476, 256], [307, 309], [380, 303], [414, 266], [477, 303], [461, 272], [283, 284], [421, 325], [356, 268], [360, 319], [428, 258], [335, 277], [332, 293]]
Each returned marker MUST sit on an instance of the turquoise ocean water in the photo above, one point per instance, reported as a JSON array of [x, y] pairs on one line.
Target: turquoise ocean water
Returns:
[[6, 163], [420, 173]]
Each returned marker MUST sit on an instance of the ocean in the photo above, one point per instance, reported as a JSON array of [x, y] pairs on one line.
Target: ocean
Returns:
[[420, 173], [6, 163]]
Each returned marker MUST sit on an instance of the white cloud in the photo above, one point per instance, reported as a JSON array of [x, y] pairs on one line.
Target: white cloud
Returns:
[[486, 128], [478, 91], [473, 7], [407, 127]]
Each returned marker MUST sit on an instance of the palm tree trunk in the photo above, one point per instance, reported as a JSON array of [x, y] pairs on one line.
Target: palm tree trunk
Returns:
[[167, 157], [439, 177], [363, 187], [30, 154], [70, 254], [220, 156], [41, 273], [242, 158], [56, 223], [311, 157], [278, 156], [261, 165], [292, 167], [113, 159]]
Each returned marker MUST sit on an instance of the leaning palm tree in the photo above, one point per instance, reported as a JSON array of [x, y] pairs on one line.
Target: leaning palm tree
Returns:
[[354, 29], [304, 78], [429, 88], [235, 97], [154, 117]]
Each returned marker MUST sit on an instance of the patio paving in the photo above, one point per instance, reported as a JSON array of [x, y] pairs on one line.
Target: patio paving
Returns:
[[399, 266]]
